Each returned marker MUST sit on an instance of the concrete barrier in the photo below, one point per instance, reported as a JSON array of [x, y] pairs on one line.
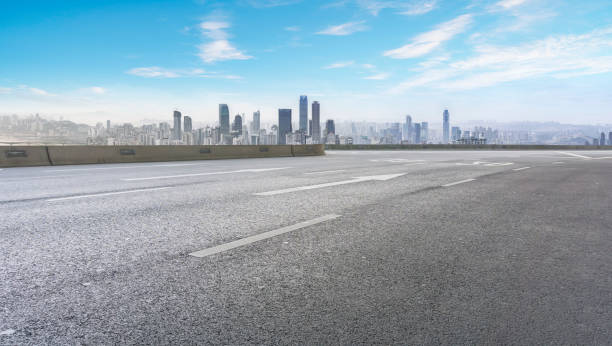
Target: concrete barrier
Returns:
[[308, 150], [463, 147], [21, 156]]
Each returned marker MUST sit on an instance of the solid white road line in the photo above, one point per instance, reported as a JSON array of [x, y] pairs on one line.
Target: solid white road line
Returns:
[[336, 183], [208, 173], [520, 169], [107, 194], [558, 162], [262, 236], [574, 155], [414, 164], [325, 172], [458, 182]]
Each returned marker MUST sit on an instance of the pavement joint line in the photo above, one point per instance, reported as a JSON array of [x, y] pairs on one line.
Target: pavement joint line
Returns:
[[207, 173], [458, 182], [107, 194], [262, 236], [575, 155], [124, 167], [521, 169], [324, 172]]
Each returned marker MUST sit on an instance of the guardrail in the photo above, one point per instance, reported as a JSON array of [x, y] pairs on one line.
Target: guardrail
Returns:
[[21, 156], [463, 147]]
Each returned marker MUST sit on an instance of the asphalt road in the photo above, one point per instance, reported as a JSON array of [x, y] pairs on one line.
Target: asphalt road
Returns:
[[387, 247]]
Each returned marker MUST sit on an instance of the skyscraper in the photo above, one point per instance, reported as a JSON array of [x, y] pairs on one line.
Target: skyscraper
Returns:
[[237, 125], [407, 130], [187, 124], [316, 123], [284, 125], [424, 132], [330, 127], [602, 141], [610, 138], [304, 114], [445, 127], [108, 125], [224, 122], [417, 133], [256, 122], [177, 134]]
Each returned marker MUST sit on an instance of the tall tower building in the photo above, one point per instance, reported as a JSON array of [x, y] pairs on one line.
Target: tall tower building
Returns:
[[108, 125], [445, 127], [224, 122], [284, 125], [330, 127], [424, 132], [407, 130], [316, 123], [304, 114], [237, 125], [177, 134], [187, 124], [610, 138], [256, 122], [417, 133]]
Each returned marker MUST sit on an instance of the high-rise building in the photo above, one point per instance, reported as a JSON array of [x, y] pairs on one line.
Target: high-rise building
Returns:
[[455, 133], [424, 132], [417, 133], [304, 114], [108, 125], [315, 133], [187, 124], [237, 125], [610, 138], [407, 130], [595, 141], [602, 141], [256, 122], [224, 122], [445, 127], [330, 127], [284, 125], [177, 134]]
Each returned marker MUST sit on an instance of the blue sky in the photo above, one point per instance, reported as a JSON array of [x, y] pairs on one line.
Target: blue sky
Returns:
[[378, 60]]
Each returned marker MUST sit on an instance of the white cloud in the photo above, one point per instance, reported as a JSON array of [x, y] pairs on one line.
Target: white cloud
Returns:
[[39, 92], [4, 90], [97, 90], [419, 8], [428, 41], [368, 66], [344, 29], [220, 48], [379, 76], [564, 56], [508, 4], [340, 64], [152, 72], [292, 28], [406, 7]]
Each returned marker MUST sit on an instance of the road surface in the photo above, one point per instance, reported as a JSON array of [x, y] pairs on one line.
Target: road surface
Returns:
[[389, 247]]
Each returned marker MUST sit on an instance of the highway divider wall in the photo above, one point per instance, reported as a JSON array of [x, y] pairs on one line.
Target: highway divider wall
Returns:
[[463, 147], [90, 154]]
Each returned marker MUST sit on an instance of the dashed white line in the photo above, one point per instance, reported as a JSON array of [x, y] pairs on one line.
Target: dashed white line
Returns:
[[255, 238], [325, 172], [458, 182], [125, 167], [207, 173], [107, 194], [574, 155], [520, 169]]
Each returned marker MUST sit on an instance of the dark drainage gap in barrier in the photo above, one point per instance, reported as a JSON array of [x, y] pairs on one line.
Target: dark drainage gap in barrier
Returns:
[[127, 152], [16, 153], [205, 151], [264, 149]]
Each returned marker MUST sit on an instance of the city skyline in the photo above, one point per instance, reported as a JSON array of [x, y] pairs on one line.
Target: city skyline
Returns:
[[514, 60]]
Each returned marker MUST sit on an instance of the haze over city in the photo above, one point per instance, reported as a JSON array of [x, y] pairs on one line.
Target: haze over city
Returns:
[[509, 60]]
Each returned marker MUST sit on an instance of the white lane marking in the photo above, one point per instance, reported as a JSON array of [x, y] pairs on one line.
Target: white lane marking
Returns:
[[415, 163], [255, 238], [336, 183], [485, 163], [574, 155], [256, 170], [458, 182], [325, 172], [8, 332], [124, 167], [558, 162], [603, 157], [107, 194], [396, 160], [520, 169]]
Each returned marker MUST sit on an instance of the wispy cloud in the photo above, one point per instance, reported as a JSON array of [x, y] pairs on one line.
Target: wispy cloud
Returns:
[[97, 90], [220, 48], [160, 72], [508, 4], [563, 56], [406, 7], [152, 72], [379, 76], [292, 28], [428, 41], [344, 29], [4, 90], [271, 3], [340, 64], [39, 92]]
